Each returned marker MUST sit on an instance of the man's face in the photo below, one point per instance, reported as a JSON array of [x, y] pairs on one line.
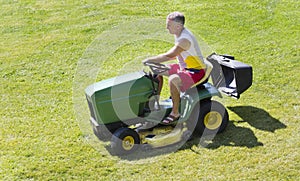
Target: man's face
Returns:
[[171, 26]]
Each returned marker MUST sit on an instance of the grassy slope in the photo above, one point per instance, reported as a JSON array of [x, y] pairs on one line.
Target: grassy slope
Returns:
[[42, 42]]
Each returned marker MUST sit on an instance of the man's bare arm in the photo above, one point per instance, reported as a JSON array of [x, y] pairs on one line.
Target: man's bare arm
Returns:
[[181, 46]]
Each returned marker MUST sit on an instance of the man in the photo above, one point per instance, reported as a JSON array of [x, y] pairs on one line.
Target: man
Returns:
[[190, 67]]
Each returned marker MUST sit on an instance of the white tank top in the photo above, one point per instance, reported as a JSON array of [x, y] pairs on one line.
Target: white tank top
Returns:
[[191, 58]]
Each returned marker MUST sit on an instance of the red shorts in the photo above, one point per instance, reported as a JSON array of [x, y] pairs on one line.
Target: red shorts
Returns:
[[188, 78]]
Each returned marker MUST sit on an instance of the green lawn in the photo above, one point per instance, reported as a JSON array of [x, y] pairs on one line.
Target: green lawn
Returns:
[[47, 49]]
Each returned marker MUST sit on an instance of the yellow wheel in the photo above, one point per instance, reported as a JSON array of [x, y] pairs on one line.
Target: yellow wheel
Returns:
[[213, 118], [128, 143], [124, 141]]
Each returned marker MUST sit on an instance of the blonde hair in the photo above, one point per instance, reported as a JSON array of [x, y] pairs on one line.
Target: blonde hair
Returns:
[[177, 17]]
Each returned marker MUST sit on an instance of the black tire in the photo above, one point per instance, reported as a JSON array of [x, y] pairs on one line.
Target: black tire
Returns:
[[124, 141], [213, 118]]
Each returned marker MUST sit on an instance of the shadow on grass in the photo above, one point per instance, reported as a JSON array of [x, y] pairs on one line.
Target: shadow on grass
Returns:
[[258, 118], [233, 136]]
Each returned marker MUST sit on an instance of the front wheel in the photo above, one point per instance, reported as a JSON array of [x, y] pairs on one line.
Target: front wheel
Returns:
[[124, 141], [213, 118]]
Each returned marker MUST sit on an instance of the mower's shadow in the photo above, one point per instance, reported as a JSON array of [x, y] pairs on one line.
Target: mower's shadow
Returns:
[[257, 118], [235, 135]]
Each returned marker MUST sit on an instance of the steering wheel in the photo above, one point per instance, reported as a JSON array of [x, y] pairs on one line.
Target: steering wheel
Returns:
[[157, 68]]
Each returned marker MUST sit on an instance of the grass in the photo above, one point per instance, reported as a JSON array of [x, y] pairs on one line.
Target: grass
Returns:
[[41, 48]]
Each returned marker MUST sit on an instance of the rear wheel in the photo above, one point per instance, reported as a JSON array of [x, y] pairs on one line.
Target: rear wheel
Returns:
[[213, 118], [124, 141]]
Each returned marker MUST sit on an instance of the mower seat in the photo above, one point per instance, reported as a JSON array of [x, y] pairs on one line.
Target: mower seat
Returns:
[[204, 79]]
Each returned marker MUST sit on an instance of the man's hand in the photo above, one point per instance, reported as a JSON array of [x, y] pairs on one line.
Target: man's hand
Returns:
[[145, 61]]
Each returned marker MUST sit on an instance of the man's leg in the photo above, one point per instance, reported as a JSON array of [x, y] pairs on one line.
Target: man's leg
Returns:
[[175, 83], [160, 84]]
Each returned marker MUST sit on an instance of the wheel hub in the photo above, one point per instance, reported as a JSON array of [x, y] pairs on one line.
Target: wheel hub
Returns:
[[213, 120], [128, 143]]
